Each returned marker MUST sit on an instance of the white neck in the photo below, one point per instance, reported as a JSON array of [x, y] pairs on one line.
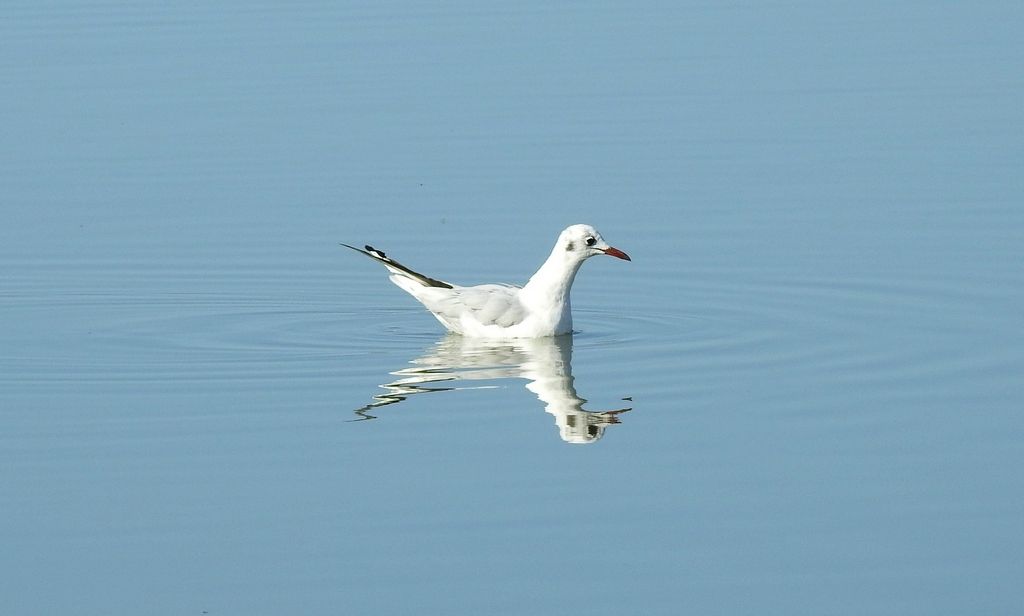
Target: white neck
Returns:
[[551, 284]]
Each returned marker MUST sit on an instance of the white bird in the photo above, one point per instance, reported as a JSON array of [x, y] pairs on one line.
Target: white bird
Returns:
[[539, 308]]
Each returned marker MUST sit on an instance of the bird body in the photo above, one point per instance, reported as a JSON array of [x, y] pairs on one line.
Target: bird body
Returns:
[[541, 307]]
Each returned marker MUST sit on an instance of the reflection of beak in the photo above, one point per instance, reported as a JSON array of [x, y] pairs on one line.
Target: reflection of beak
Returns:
[[615, 252]]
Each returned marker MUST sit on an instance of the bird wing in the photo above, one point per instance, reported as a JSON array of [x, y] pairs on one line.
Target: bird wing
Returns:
[[397, 269], [488, 304]]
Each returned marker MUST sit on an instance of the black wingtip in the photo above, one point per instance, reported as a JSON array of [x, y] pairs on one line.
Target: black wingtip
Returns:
[[379, 255], [369, 251]]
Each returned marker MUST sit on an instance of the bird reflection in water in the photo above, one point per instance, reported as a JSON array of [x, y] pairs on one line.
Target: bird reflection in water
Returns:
[[545, 362]]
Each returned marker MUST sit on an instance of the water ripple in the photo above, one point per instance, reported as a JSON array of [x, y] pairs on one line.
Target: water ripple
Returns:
[[726, 328]]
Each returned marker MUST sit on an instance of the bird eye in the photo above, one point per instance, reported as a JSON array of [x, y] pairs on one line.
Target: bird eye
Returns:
[[591, 241]]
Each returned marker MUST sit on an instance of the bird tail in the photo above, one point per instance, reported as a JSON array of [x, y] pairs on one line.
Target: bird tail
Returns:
[[397, 268]]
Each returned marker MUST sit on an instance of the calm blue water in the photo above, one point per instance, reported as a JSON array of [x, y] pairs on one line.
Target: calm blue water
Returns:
[[802, 396]]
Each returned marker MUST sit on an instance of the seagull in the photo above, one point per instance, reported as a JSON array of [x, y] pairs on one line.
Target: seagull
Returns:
[[539, 308]]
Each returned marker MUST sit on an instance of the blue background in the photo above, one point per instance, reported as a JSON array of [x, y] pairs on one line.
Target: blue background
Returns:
[[820, 333]]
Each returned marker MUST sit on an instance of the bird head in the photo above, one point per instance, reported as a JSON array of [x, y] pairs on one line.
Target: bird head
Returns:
[[580, 242]]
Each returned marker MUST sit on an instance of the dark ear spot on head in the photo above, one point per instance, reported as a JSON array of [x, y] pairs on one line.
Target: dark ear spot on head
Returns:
[[569, 247]]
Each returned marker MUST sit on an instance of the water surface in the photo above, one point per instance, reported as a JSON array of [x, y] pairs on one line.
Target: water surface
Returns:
[[802, 395]]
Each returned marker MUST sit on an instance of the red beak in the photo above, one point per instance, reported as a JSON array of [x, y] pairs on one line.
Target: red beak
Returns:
[[615, 252]]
